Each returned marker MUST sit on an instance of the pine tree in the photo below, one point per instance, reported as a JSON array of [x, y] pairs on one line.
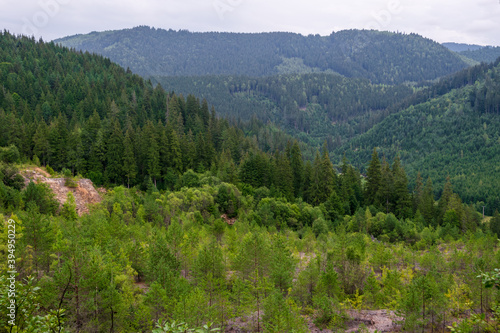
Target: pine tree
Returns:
[[444, 201], [418, 193], [297, 166], [373, 179], [426, 206], [283, 175], [76, 150], [114, 157], [402, 199], [306, 185], [129, 162], [188, 151], [41, 142], [253, 255], [153, 153], [386, 189], [323, 180], [282, 266]]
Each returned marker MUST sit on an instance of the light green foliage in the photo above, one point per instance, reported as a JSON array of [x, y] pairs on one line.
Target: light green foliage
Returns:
[[281, 315]]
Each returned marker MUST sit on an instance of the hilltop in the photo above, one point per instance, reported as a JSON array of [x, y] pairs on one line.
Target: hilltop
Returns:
[[381, 57]]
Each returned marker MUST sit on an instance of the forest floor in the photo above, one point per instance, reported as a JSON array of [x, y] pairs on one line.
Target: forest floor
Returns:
[[84, 193]]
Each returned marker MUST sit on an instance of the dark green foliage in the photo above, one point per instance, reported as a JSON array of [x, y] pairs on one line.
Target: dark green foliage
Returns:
[[9, 154], [424, 135], [379, 56], [484, 54], [42, 196], [495, 224], [373, 179]]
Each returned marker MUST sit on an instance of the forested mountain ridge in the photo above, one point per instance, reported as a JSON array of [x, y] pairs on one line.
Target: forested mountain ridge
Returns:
[[485, 54], [459, 47], [381, 57]]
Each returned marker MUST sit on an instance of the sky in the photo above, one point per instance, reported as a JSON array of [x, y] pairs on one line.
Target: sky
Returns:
[[461, 21]]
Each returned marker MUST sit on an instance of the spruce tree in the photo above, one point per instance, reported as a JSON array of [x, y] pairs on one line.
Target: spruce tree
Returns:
[[114, 157], [129, 162], [401, 197], [297, 166], [373, 179]]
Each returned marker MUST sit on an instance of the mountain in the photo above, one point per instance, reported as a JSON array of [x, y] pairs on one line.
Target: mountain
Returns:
[[83, 114], [446, 130], [460, 47], [309, 106], [485, 54], [381, 57], [476, 53]]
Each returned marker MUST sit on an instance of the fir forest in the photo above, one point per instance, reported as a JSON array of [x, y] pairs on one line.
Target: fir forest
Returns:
[[290, 191]]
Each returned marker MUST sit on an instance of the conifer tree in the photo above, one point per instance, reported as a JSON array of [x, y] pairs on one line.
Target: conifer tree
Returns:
[[445, 199], [402, 199], [153, 153], [114, 157], [282, 265], [427, 203], [297, 165], [373, 179], [386, 188], [129, 162], [283, 175], [41, 142]]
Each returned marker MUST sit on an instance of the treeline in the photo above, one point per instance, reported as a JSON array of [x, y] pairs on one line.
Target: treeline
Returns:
[[381, 57]]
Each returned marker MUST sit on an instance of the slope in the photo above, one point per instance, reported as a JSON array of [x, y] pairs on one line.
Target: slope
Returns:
[[485, 54], [381, 57], [455, 134], [309, 106]]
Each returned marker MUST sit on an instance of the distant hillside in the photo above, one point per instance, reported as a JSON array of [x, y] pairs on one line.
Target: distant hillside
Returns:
[[454, 134], [381, 57], [486, 54], [460, 47], [307, 105]]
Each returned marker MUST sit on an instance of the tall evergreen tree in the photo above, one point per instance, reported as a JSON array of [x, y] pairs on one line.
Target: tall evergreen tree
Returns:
[[114, 154], [386, 188], [297, 165], [373, 179], [129, 161], [402, 199]]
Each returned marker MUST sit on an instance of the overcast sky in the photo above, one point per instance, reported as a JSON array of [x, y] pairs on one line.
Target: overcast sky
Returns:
[[463, 21]]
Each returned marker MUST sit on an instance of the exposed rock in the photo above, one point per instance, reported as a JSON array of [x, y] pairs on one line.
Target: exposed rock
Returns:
[[84, 192]]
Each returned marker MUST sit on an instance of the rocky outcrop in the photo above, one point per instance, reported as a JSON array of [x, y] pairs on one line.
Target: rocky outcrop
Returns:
[[84, 193]]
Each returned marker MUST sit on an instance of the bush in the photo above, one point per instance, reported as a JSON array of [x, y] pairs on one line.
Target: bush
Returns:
[[189, 179], [50, 170], [9, 154], [42, 196]]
